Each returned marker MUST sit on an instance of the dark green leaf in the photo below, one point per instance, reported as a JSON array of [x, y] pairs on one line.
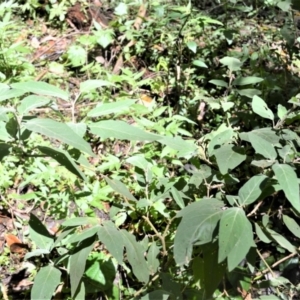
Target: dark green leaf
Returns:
[[45, 283], [292, 225]]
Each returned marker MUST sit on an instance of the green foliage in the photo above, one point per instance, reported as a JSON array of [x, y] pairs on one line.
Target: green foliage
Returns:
[[194, 190]]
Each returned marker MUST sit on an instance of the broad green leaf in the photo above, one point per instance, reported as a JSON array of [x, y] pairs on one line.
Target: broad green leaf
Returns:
[[262, 147], [192, 45], [247, 80], [292, 225], [158, 294], [288, 181], [45, 283], [39, 233], [79, 237], [64, 159], [105, 38], [282, 241], [4, 135], [250, 93], [261, 234], [78, 128], [135, 256], [219, 82], [229, 157], [221, 138], [77, 262], [235, 237], [177, 143], [41, 88], [198, 223], [199, 63], [232, 63], [112, 238], [281, 111], [31, 102], [267, 134], [59, 131], [121, 130], [80, 221], [261, 108], [209, 261], [121, 9], [37, 252], [251, 190], [120, 188], [177, 196], [152, 260], [111, 108], [92, 84], [8, 93], [80, 295], [139, 161]]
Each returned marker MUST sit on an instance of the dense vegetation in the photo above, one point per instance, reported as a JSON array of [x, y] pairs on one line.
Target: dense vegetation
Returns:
[[149, 150]]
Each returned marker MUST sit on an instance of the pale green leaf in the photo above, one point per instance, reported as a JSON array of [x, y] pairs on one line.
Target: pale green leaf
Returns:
[[79, 237], [59, 131], [292, 225], [221, 138], [192, 45], [120, 188], [235, 237], [112, 238], [219, 82], [41, 88], [232, 63], [8, 93], [200, 63], [92, 84], [39, 233], [45, 283], [261, 108], [198, 223], [111, 108], [177, 143], [152, 260], [288, 181], [281, 111], [77, 55], [282, 241], [77, 262], [31, 102], [247, 80], [249, 92], [229, 157], [135, 256], [121, 9], [262, 147], [261, 234], [251, 190], [79, 221], [121, 130]]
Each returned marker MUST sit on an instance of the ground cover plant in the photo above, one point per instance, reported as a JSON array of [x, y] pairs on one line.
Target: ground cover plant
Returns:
[[149, 150]]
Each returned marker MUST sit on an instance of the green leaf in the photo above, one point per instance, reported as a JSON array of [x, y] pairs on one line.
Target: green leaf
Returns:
[[261, 108], [247, 80], [59, 131], [111, 108], [235, 237], [112, 238], [249, 92], [209, 261], [45, 283], [177, 196], [177, 143], [79, 237], [251, 190], [121, 130], [120, 188], [292, 225], [229, 157], [261, 234], [121, 9], [192, 45], [37, 252], [232, 63], [77, 55], [105, 38], [288, 181], [199, 63], [281, 111], [158, 294], [282, 241], [152, 260], [41, 88], [218, 82], [8, 93], [77, 262], [31, 102], [80, 295], [80, 221], [198, 223], [135, 255], [64, 159], [39, 233], [262, 147], [223, 137], [92, 84]]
